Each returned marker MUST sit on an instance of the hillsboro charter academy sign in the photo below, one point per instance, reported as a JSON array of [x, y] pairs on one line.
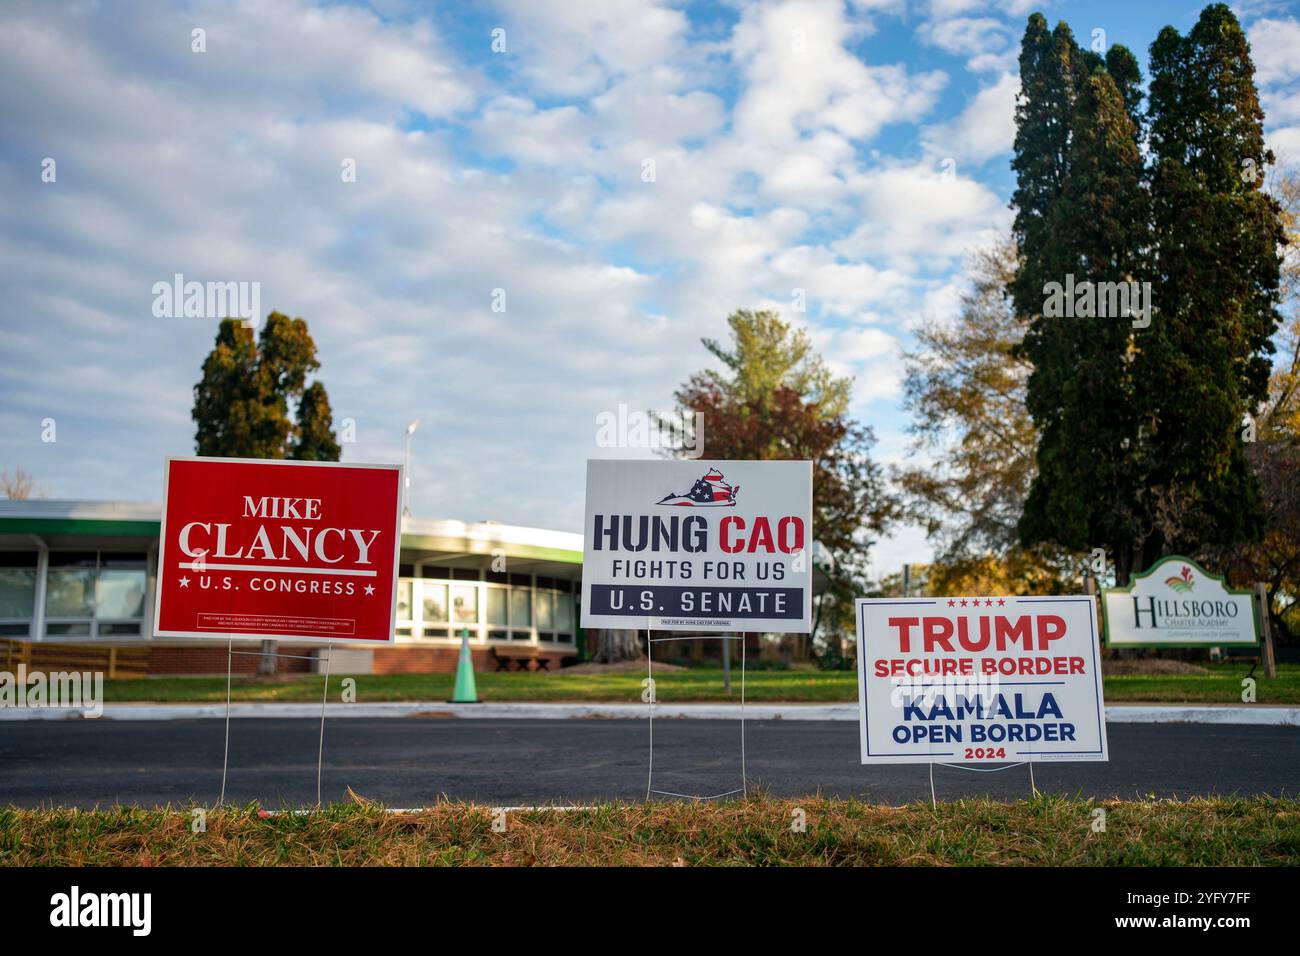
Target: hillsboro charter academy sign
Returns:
[[1177, 603]]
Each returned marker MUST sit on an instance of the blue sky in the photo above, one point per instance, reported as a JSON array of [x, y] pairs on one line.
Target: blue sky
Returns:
[[854, 149]]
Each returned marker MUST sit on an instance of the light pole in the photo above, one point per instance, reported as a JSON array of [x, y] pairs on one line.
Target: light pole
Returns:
[[406, 472]]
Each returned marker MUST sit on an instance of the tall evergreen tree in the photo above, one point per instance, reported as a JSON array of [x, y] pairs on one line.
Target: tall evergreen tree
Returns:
[[1080, 218], [315, 441], [243, 403], [1204, 366]]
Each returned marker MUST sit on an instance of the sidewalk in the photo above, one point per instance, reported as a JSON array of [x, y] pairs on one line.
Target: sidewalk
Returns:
[[1260, 714]]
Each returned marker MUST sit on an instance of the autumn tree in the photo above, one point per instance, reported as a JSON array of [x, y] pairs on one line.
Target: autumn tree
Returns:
[[1274, 454], [776, 399], [975, 441], [17, 486]]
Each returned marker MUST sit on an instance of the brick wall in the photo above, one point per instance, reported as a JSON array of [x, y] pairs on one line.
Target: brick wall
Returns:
[[212, 660], [442, 660], [387, 660]]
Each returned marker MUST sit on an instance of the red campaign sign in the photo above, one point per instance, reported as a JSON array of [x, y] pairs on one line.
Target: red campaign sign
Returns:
[[278, 549]]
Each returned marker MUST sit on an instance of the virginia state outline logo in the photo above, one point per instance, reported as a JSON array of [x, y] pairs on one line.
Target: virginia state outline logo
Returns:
[[707, 492]]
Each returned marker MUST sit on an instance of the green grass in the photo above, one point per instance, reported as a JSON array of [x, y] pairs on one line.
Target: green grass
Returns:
[[1221, 686], [1046, 831]]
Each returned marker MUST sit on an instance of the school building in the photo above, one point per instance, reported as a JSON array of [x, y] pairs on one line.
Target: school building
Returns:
[[77, 588]]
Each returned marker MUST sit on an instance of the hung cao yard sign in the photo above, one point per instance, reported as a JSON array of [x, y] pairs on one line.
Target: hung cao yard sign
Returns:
[[1177, 603], [278, 549], [695, 545]]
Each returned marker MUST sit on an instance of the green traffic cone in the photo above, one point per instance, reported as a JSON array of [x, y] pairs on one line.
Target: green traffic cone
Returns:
[[465, 691]]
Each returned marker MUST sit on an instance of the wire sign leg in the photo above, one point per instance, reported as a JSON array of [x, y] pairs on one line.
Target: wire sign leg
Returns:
[[325, 695], [743, 789], [225, 760]]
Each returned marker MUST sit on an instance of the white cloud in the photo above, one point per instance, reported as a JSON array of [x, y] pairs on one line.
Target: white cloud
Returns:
[[968, 36], [771, 175], [801, 79], [917, 211], [1273, 46], [985, 128]]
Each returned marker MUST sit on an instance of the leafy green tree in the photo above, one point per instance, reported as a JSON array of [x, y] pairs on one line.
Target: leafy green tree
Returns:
[[244, 402], [315, 441], [1085, 493], [1139, 448]]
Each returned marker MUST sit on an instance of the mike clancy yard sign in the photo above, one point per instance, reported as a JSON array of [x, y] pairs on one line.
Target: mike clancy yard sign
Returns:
[[301, 550], [698, 545], [1177, 603], [979, 680]]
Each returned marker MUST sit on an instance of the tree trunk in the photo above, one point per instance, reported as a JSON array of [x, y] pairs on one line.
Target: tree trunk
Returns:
[[620, 645]]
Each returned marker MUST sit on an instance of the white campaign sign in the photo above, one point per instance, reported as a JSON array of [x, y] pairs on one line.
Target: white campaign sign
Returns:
[[698, 545], [979, 680], [1177, 603]]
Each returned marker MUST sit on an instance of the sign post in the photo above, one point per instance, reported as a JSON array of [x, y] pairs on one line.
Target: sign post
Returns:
[[278, 550], [974, 681], [1266, 626], [713, 547]]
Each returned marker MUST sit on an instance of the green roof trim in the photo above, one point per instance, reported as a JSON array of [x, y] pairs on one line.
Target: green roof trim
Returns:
[[107, 527], [424, 542]]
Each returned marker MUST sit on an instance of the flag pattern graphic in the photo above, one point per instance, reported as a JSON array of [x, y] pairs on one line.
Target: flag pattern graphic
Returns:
[[707, 492]]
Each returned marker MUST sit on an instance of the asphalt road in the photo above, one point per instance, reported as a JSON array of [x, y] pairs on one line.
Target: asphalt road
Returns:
[[411, 762]]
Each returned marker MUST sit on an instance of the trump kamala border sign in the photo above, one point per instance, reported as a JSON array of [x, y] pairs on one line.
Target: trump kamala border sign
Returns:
[[979, 680], [278, 549], [698, 545]]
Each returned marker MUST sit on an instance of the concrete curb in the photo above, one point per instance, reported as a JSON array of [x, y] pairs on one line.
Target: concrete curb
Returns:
[[1258, 714]]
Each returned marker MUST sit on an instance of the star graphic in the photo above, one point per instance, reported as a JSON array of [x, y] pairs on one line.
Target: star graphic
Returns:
[[370, 589], [951, 602], [963, 602], [185, 582], [1001, 602], [988, 603]]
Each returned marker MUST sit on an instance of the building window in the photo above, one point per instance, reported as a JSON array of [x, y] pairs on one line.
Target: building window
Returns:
[[545, 606], [464, 599], [89, 594], [119, 589], [435, 602], [70, 586], [17, 592], [497, 599], [403, 602], [441, 608], [521, 607]]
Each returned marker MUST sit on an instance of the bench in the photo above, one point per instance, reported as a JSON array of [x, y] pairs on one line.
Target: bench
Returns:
[[521, 656]]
